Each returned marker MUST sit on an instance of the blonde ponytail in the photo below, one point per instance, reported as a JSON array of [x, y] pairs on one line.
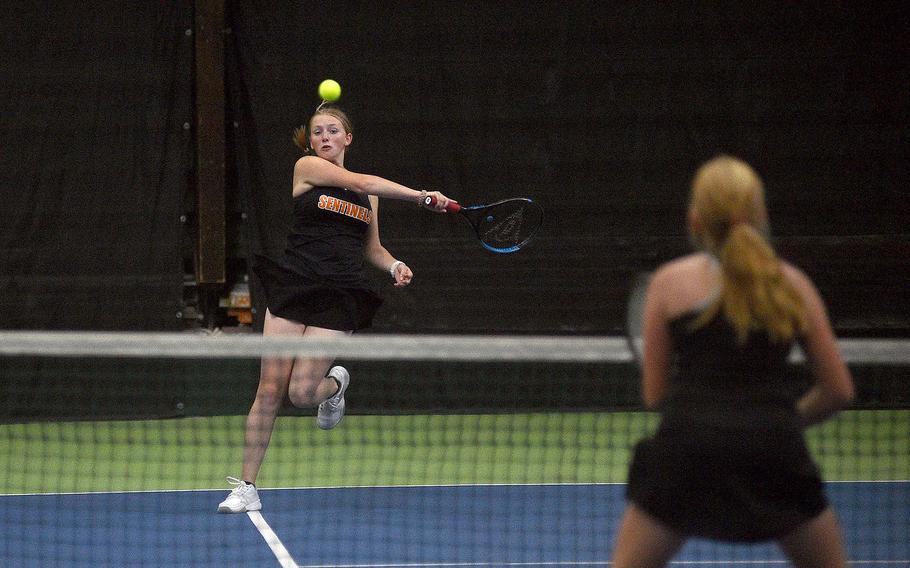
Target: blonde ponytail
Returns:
[[728, 197], [754, 293]]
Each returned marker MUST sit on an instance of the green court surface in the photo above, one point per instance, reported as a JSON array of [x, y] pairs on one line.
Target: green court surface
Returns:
[[197, 453]]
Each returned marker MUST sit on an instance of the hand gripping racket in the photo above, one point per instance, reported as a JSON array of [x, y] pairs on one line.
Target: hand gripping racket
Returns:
[[502, 227]]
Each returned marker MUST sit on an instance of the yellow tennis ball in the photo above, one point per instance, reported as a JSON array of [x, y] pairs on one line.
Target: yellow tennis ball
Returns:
[[329, 90]]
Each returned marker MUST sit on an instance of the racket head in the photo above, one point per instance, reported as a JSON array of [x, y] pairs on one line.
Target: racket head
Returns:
[[635, 313], [505, 226]]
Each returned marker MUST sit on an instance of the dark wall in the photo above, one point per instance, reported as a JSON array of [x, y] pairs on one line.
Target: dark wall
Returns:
[[601, 112], [94, 163]]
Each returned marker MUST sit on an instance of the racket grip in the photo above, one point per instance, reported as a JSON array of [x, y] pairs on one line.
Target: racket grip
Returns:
[[452, 206]]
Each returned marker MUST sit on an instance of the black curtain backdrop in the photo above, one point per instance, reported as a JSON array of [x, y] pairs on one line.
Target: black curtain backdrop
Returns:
[[96, 135], [601, 112]]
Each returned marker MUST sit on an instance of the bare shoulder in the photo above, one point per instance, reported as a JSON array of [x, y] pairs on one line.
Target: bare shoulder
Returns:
[[310, 171], [672, 277], [678, 268], [682, 283], [305, 162]]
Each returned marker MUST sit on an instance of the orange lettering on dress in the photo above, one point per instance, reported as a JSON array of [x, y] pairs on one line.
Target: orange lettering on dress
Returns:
[[345, 208]]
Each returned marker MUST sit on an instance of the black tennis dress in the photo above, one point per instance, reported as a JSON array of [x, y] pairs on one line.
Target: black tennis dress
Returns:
[[729, 460], [320, 280]]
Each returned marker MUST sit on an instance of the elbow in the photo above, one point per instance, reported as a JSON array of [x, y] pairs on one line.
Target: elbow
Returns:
[[845, 396], [843, 390], [652, 400], [840, 397], [653, 389]]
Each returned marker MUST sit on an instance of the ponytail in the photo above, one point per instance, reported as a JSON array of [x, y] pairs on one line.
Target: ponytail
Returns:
[[302, 139], [754, 293]]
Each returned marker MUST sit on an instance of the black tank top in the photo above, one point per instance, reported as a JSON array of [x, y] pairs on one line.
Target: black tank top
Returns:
[[719, 383], [326, 242]]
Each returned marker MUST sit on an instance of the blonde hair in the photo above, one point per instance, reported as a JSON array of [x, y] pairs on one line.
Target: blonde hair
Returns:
[[729, 199], [301, 135]]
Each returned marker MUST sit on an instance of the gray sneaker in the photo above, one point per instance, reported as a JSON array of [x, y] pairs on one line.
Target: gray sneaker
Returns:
[[331, 411]]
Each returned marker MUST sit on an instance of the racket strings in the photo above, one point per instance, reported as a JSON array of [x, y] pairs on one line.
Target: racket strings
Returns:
[[505, 229]]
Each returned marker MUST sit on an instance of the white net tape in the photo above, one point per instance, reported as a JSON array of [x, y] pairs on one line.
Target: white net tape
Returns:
[[591, 349]]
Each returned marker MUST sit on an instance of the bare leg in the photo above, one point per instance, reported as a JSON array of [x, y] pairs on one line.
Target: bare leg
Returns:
[[309, 386], [273, 386], [816, 543], [643, 542]]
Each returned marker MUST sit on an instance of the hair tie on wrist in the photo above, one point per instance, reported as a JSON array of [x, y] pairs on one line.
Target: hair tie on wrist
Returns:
[[394, 267]]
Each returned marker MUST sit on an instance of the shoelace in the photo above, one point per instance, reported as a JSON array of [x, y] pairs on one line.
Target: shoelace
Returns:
[[332, 401], [239, 486]]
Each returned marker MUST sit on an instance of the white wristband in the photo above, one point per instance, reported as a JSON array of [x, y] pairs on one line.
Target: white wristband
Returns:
[[393, 267]]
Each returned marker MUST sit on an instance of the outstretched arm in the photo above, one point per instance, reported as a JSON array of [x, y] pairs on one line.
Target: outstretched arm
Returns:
[[312, 171]]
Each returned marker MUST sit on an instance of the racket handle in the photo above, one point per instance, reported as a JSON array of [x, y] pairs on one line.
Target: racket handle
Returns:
[[452, 206]]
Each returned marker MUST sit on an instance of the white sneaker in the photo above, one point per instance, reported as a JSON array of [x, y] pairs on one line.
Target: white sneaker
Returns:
[[331, 411], [243, 498]]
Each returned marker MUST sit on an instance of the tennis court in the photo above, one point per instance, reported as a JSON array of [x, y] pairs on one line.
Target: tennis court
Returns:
[[150, 155], [477, 525], [500, 487]]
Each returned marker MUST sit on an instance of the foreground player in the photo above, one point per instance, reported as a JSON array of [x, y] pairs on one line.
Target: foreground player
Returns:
[[729, 461], [318, 289]]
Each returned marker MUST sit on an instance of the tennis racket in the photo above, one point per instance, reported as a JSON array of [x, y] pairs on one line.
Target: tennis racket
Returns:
[[502, 227], [635, 312]]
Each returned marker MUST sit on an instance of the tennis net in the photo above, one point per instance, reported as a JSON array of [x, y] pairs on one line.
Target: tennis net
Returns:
[[479, 451]]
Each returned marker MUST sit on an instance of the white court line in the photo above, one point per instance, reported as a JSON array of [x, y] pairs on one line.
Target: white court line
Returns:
[[589, 563], [281, 553]]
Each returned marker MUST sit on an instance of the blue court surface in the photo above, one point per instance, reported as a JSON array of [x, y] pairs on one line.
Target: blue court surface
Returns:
[[484, 525]]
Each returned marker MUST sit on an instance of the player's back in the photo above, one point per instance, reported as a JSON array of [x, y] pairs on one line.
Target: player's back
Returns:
[[719, 382]]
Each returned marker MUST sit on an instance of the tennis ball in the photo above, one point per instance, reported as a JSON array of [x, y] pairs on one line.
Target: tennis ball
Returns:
[[329, 90]]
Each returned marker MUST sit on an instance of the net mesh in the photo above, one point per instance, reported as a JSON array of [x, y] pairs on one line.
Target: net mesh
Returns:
[[482, 451]]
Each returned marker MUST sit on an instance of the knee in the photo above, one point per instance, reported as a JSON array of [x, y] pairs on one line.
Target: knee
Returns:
[[269, 398], [302, 394]]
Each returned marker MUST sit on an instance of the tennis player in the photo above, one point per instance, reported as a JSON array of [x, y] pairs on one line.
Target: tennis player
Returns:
[[729, 461], [318, 289]]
